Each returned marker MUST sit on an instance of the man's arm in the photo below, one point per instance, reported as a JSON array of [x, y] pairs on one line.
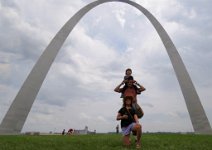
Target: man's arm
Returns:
[[140, 87], [118, 88]]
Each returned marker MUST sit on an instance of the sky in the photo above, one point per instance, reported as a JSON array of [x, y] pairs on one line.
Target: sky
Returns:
[[78, 90]]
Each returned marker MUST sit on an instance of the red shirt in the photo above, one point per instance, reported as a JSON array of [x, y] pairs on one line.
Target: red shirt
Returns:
[[130, 91]]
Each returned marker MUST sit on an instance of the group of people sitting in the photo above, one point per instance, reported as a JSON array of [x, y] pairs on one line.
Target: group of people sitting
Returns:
[[131, 112]]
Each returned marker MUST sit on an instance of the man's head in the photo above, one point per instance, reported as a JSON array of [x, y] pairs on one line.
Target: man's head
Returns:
[[130, 81]]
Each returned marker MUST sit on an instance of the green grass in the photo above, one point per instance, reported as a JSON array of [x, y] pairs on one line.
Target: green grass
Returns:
[[105, 142]]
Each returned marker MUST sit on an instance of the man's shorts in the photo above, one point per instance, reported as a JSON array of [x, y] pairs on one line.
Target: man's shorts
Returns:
[[128, 129]]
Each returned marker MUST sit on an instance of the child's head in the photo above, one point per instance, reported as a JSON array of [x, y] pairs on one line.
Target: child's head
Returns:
[[128, 72]]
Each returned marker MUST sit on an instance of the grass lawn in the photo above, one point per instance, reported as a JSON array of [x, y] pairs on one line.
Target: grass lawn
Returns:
[[105, 142]]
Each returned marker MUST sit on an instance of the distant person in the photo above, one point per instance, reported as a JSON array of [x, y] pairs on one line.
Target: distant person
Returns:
[[70, 131], [129, 122], [117, 129], [63, 133], [131, 88]]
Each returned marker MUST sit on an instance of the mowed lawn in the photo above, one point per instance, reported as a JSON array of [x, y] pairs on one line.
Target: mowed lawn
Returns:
[[105, 142]]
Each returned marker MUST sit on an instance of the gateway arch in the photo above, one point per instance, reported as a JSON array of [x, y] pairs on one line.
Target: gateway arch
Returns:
[[15, 117]]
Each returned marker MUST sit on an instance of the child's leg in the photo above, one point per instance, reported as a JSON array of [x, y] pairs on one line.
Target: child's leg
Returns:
[[138, 109]]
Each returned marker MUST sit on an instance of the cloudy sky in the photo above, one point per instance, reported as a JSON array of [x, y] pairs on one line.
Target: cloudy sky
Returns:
[[78, 89]]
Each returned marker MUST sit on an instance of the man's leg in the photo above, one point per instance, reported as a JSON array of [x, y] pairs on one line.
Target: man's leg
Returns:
[[126, 134], [126, 140]]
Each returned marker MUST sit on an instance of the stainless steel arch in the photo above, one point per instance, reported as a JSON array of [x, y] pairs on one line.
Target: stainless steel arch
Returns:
[[16, 116]]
